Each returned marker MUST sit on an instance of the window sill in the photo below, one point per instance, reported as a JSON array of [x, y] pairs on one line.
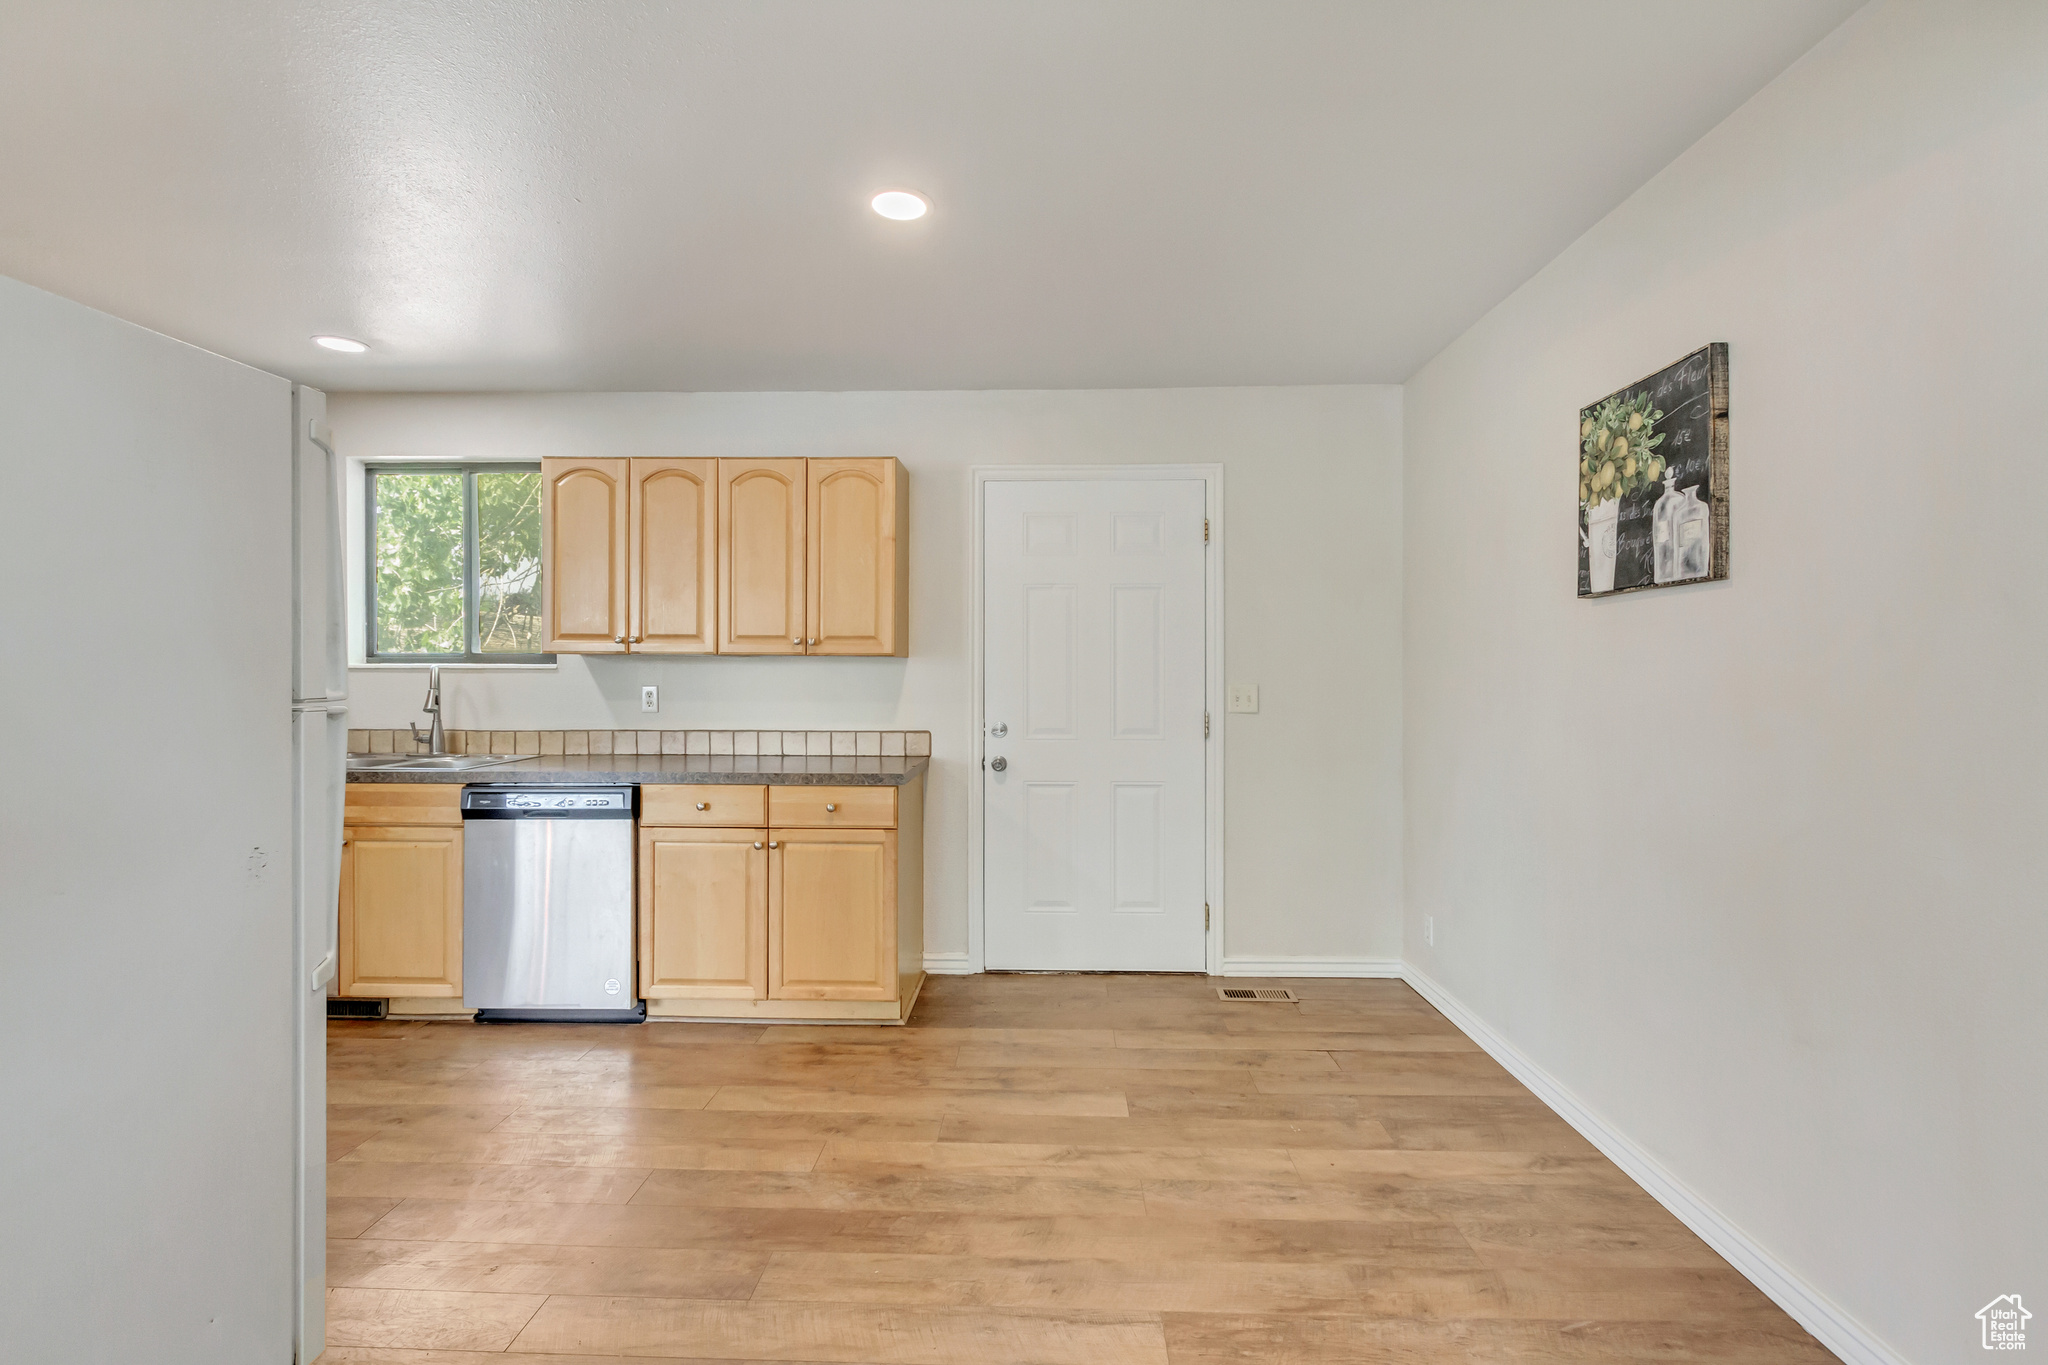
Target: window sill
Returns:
[[358, 667]]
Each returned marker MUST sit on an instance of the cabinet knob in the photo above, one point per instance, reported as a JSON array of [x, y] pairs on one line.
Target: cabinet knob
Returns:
[[829, 808], [771, 844], [703, 805], [757, 843], [798, 640], [814, 641], [618, 639]]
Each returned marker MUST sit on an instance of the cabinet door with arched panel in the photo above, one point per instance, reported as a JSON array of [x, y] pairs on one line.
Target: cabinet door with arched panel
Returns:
[[761, 556], [584, 530], [857, 588], [673, 578]]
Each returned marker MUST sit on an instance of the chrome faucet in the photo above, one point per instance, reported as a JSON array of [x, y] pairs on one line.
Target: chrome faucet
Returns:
[[436, 739]]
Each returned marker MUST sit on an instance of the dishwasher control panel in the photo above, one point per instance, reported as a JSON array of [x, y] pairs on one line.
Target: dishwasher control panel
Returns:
[[506, 801]]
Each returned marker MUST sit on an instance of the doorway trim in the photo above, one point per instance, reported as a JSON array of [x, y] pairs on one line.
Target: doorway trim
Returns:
[[1211, 476]]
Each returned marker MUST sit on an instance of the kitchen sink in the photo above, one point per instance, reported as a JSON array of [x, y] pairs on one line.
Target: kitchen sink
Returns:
[[430, 762]]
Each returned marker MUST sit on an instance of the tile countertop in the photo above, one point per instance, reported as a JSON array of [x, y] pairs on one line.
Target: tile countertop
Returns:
[[679, 768]]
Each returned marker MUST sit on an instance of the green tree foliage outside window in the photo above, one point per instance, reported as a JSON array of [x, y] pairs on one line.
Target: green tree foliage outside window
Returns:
[[508, 561], [457, 562]]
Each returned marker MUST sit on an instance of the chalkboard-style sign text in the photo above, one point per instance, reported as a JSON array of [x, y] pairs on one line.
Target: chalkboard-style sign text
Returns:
[[1653, 479]]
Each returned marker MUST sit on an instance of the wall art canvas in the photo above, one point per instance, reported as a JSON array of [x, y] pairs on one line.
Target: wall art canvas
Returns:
[[1653, 479]]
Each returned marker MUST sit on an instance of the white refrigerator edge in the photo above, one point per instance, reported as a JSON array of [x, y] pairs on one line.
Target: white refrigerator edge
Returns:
[[320, 758]]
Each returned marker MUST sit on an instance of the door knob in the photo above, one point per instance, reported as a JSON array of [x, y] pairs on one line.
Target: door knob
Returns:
[[999, 763], [999, 729]]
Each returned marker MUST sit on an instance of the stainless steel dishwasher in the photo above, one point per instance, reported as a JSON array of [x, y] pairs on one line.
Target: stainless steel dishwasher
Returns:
[[547, 903]]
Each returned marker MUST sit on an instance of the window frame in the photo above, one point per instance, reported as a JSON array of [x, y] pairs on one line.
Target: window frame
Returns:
[[468, 469]]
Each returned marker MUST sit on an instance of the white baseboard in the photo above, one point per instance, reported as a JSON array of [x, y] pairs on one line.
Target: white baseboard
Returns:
[[1311, 966], [1811, 1309], [959, 964]]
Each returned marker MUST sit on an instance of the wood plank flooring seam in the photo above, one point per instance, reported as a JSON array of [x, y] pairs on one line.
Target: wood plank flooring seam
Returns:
[[528, 1323]]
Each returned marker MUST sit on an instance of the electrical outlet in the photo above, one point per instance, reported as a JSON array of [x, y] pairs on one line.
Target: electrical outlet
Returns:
[[1244, 697], [650, 699], [1429, 930]]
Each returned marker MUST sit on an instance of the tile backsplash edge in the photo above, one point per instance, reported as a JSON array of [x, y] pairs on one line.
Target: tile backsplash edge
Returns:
[[773, 743]]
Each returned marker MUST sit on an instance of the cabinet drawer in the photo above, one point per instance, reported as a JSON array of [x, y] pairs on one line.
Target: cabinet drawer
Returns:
[[403, 803], [832, 807], [708, 804]]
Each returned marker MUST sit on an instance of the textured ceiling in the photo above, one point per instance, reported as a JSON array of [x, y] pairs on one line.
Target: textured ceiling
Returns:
[[616, 195]]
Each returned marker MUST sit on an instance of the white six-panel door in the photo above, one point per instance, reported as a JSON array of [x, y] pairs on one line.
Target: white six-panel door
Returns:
[[1094, 622]]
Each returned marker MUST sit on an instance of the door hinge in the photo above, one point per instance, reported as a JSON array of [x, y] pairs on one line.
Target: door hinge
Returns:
[[1205, 725], [1205, 917], [1205, 530]]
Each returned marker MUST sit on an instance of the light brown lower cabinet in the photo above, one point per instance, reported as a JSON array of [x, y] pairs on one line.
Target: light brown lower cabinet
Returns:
[[790, 903], [809, 917], [703, 913], [401, 892], [832, 914]]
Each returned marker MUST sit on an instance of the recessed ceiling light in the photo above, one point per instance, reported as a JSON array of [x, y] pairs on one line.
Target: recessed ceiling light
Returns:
[[901, 205], [349, 344]]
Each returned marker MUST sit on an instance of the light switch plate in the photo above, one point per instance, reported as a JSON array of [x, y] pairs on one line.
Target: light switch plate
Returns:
[[1244, 697], [650, 699]]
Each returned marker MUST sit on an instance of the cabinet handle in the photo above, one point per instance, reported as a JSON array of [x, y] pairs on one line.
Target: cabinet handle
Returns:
[[703, 805], [814, 641], [618, 639], [757, 843], [798, 640], [771, 844], [829, 808]]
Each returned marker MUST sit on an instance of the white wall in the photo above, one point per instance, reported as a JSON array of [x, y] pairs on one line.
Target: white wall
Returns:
[[1756, 868], [1311, 540]]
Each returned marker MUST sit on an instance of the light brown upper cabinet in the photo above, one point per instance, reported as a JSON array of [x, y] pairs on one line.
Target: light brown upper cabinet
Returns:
[[629, 554], [761, 556], [671, 556], [674, 552], [583, 533], [857, 589]]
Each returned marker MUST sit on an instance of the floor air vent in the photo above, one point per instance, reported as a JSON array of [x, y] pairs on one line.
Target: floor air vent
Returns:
[[1255, 993], [354, 1009]]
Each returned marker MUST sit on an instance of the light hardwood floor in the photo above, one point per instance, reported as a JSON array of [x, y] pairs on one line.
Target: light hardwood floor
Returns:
[[1037, 1170]]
